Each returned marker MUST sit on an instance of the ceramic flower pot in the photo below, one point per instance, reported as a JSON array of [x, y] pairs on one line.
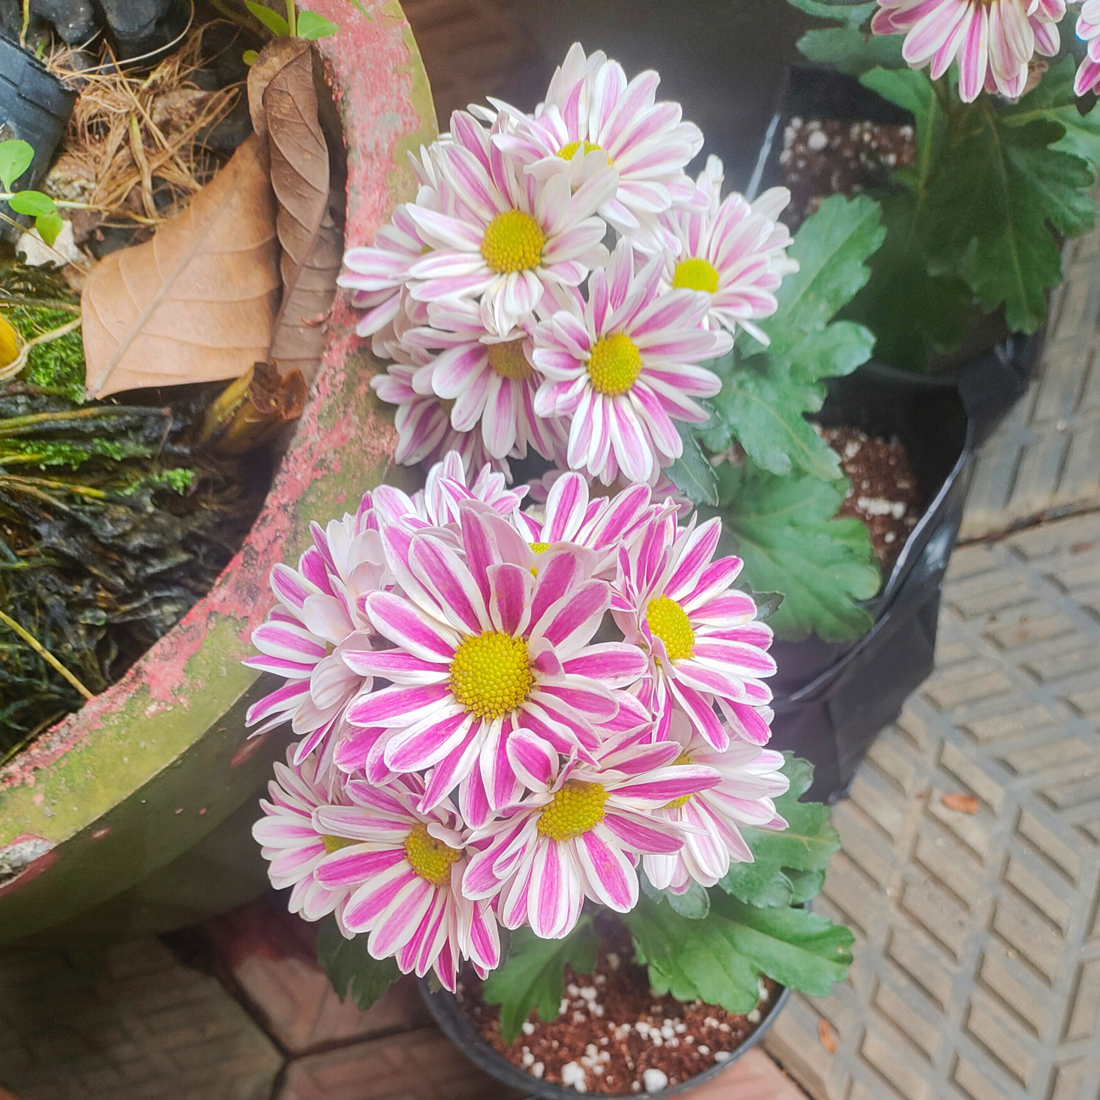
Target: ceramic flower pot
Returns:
[[96, 814], [457, 1027]]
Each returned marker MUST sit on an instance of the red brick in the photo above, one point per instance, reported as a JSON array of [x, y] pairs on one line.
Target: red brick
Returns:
[[271, 955]]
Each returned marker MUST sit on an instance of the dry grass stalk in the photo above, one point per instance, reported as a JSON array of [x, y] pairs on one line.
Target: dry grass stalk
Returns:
[[131, 133]]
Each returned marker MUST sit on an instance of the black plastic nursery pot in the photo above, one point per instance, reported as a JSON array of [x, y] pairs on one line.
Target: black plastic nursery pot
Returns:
[[458, 1027], [832, 699], [993, 368], [35, 107]]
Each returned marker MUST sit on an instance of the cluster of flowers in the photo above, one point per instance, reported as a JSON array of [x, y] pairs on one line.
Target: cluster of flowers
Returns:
[[995, 42], [512, 326], [503, 711]]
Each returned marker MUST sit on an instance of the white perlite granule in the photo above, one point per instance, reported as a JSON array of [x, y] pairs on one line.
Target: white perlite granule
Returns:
[[573, 1076], [653, 1080]]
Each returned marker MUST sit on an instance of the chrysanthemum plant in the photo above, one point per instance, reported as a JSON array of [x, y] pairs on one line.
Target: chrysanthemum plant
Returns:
[[1007, 140], [517, 705]]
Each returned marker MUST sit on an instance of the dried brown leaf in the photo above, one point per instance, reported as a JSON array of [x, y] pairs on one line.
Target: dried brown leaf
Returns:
[[961, 803], [312, 243], [197, 303], [825, 1034]]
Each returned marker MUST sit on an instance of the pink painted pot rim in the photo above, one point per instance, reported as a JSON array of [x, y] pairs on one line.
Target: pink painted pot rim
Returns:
[[159, 678]]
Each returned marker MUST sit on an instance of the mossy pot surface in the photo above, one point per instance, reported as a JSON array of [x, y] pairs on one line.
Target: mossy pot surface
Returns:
[[133, 813]]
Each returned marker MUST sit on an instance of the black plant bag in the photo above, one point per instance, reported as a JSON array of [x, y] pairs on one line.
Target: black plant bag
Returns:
[[832, 700]]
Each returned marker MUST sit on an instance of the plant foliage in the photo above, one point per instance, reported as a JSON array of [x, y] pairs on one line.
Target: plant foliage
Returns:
[[350, 967], [530, 978]]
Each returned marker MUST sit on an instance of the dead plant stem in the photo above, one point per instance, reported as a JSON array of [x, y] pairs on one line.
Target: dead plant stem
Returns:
[[45, 654]]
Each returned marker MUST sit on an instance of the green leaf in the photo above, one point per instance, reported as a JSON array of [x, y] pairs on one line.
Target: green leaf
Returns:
[[805, 885], [719, 959], [314, 26], [1053, 100], [788, 865], [15, 158], [852, 12], [991, 207], [48, 226], [832, 248], [790, 542], [937, 308], [691, 473], [763, 402], [693, 904], [912, 91], [351, 968], [690, 958], [797, 948], [765, 397], [850, 49], [249, 57], [33, 203], [531, 976], [270, 19]]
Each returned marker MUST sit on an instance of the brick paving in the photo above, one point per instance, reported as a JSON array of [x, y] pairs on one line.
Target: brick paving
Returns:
[[977, 972]]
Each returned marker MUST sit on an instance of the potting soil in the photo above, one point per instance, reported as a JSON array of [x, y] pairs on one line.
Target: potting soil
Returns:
[[614, 1034]]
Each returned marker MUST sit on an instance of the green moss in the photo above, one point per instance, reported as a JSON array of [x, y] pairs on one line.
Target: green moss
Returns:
[[56, 365], [42, 453], [178, 480]]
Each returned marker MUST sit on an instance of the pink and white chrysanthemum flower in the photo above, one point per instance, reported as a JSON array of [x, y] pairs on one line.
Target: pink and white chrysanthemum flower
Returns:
[[581, 830], [516, 235], [568, 515], [423, 423], [1088, 30], [732, 250], [751, 781], [446, 487], [481, 649], [400, 870], [625, 368], [592, 107], [291, 843], [700, 634], [489, 378], [992, 40], [303, 641], [378, 272]]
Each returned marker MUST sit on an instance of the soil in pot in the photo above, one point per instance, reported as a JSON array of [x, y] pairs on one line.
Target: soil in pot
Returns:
[[885, 495], [829, 156], [615, 1036]]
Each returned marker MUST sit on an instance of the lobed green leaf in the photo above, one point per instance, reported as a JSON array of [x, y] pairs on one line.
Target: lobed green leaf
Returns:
[[785, 531], [350, 967], [531, 977]]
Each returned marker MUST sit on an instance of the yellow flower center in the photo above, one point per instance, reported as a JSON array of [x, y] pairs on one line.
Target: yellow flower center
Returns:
[[668, 621], [335, 843], [684, 799], [490, 674], [695, 274], [614, 364], [569, 150], [431, 859], [508, 360], [513, 241], [576, 808], [539, 547]]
